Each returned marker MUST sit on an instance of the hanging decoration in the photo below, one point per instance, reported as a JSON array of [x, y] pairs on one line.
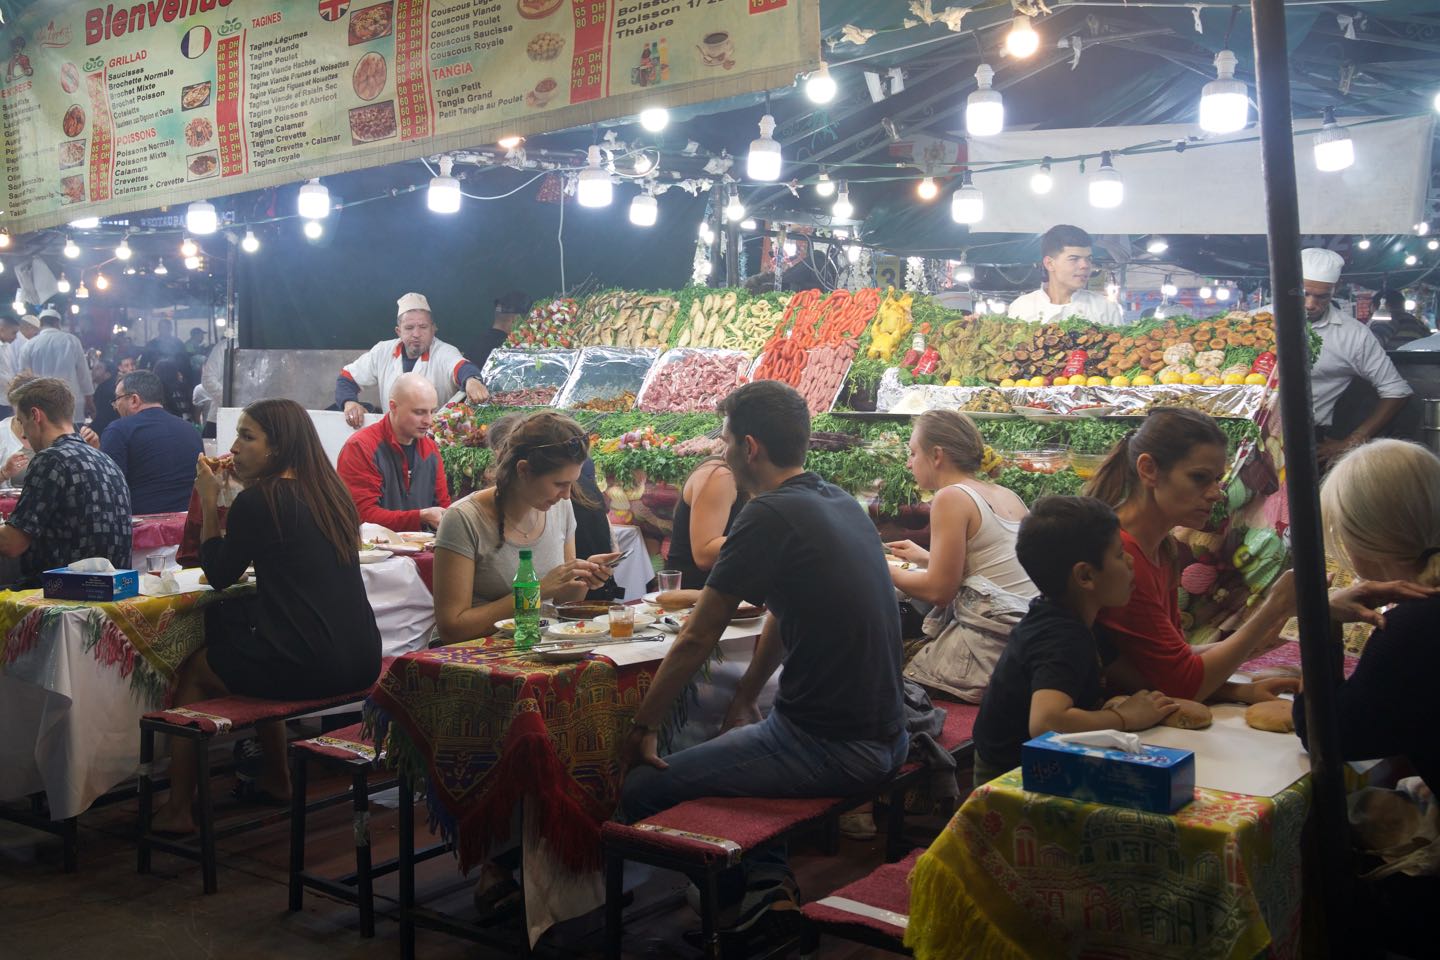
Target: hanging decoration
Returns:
[[915, 279]]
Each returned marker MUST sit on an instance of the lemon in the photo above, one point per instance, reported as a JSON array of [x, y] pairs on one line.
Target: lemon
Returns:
[[1192, 378], [1007, 382], [1120, 381], [1233, 379], [1255, 379], [1097, 382], [1143, 380], [1213, 381], [1169, 376]]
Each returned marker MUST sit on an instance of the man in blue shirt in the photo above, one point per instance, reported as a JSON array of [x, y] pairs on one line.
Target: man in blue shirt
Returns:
[[155, 449]]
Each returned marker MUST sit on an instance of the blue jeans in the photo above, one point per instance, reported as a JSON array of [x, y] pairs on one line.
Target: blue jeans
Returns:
[[772, 758]]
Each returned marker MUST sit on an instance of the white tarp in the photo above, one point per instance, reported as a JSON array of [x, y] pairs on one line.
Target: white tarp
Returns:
[[1207, 189]]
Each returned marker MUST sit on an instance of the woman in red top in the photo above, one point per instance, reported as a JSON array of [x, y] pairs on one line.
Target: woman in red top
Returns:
[[1164, 475]]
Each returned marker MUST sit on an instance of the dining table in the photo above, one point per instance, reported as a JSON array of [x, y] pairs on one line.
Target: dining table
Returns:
[[1018, 874], [487, 729]]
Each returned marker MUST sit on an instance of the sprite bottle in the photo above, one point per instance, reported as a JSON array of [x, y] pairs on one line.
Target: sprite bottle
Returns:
[[527, 603]]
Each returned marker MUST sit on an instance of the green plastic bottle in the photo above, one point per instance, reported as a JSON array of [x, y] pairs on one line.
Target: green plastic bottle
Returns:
[[527, 603]]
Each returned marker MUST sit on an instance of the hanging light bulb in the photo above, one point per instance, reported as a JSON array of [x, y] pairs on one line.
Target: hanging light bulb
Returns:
[[1168, 288], [188, 248], [593, 187], [75, 309], [1422, 228], [1156, 246], [509, 143], [63, 284], [764, 160], [85, 223], [1334, 150], [1107, 188], [984, 108], [1364, 243], [820, 86], [967, 205], [4, 239], [854, 252], [72, 250], [1222, 292], [130, 271], [444, 193], [123, 251], [82, 292], [748, 223], [1410, 305], [220, 322], [1022, 40], [200, 218], [963, 272], [1160, 311], [1411, 260], [1206, 292], [192, 263], [313, 229], [2, 266], [654, 119], [160, 269], [250, 243], [643, 163], [1225, 101], [102, 282], [998, 307], [825, 187], [1432, 244], [1041, 182], [843, 209], [927, 189], [1436, 103], [19, 305], [734, 209], [313, 201], [644, 210]]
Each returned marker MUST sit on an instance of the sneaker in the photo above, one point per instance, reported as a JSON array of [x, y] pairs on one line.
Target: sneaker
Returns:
[[765, 901], [858, 825]]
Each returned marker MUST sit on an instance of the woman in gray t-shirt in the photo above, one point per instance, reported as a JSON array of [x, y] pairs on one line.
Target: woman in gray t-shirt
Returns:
[[477, 549]]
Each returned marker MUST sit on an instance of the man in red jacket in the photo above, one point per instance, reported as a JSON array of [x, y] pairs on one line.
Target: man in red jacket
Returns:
[[393, 468]]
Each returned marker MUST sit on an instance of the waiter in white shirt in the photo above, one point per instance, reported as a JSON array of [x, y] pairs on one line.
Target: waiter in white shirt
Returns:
[[56, 353], [9, 359], [1349, 350], [415, 349], [1066, 252]]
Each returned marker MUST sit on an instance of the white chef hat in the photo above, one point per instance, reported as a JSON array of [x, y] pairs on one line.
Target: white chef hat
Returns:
[[1320, 265], [49, 312], [31, 319], [412, 301]]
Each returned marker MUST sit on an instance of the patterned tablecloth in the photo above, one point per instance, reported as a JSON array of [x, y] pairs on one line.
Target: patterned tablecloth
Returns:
[[485, 727]]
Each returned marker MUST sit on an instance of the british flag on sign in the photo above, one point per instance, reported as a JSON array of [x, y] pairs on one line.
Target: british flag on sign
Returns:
[[333, 10]]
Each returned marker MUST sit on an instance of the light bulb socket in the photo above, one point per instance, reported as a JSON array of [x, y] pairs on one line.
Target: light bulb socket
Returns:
[[313, 200]]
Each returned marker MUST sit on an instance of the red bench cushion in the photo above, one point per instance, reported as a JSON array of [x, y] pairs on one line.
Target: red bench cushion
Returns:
[[348, 744], [224, 714], [886, 889], [717, 828]]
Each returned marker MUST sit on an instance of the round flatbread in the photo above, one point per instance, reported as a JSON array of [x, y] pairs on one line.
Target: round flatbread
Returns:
[[1273, 716], [1282, 670], [1192, 715]]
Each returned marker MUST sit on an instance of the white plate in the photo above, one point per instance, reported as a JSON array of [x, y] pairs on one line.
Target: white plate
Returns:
[[374, 556], [507, 626], [576, 630], [1100, 411], [401, 547], [900, 564], [416, 536], [641, 620], [561, 654]]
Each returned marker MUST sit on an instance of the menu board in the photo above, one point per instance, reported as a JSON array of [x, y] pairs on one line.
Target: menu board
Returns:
[[112, 108]]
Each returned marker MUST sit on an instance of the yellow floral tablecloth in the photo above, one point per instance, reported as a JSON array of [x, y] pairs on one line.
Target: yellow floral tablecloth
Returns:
[[1019, 875]]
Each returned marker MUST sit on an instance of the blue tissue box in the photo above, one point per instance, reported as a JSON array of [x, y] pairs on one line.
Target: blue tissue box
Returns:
[[1160, 779], [65, 584]]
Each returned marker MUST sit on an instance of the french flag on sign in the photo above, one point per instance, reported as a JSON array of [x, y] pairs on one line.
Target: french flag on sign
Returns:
[[333, 10], [195, 42]]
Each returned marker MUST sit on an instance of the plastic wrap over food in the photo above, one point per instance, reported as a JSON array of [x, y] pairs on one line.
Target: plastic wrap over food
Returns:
[[606, 379], [510, 370], [692, 380], [1240, 401]]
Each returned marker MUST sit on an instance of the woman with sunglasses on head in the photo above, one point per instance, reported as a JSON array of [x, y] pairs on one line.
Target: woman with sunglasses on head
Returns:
[[477, 548], [1168, 473]]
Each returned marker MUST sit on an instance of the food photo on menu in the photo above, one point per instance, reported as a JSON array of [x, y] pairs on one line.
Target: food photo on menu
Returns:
[[370, 74], [371, 23], [195, 95], [375, 121]]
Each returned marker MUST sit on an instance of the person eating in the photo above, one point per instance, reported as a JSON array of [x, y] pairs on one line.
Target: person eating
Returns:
[[308, 630], [1166, 474], [392, 468], [415, 349], [1067, 254], [477, 548], [710, 501], [973, 526]]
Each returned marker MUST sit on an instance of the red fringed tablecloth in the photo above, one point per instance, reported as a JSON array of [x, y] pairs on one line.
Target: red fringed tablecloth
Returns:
[[425, 564], [154, 530], [486, 727]]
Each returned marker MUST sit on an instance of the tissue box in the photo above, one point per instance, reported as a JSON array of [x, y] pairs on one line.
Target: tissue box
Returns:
[[66, 584], [1160, 780]]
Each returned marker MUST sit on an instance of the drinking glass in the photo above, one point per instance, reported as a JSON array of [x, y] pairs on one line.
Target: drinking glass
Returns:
[[155, 564], [622, 621], [668, 580]]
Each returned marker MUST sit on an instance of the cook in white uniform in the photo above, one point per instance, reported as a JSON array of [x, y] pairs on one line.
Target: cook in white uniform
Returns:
[[10, 343], [416, 349], [1066, 253], [1349, 351], [55, 353]]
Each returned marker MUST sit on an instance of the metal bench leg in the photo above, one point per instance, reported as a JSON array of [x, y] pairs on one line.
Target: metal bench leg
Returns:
[[70, 844], [614, 905], [710, 914], [364, 881], [406, 867], [895, 827], [147, 800], [298, 771], [207, 814]]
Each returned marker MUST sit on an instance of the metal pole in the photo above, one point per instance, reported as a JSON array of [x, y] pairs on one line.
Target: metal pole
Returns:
[[732, 254], [717, 231], [1319, 662]]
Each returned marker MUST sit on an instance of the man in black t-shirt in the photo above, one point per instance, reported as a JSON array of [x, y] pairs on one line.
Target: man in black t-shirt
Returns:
[[807, 551]]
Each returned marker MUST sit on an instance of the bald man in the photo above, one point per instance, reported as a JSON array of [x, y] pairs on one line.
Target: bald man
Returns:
[[392, 467]]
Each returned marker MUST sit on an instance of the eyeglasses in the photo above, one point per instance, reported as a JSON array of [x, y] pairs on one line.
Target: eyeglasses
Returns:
[[576, 446], [116, 401]]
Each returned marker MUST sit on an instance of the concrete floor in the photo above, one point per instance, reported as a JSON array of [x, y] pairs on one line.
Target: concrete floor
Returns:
[[107, 910]]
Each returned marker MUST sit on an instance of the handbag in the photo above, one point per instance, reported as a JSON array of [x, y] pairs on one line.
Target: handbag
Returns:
[[969, 634]]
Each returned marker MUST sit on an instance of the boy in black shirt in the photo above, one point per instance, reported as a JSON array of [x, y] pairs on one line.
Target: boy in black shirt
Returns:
[[1049, 676]]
